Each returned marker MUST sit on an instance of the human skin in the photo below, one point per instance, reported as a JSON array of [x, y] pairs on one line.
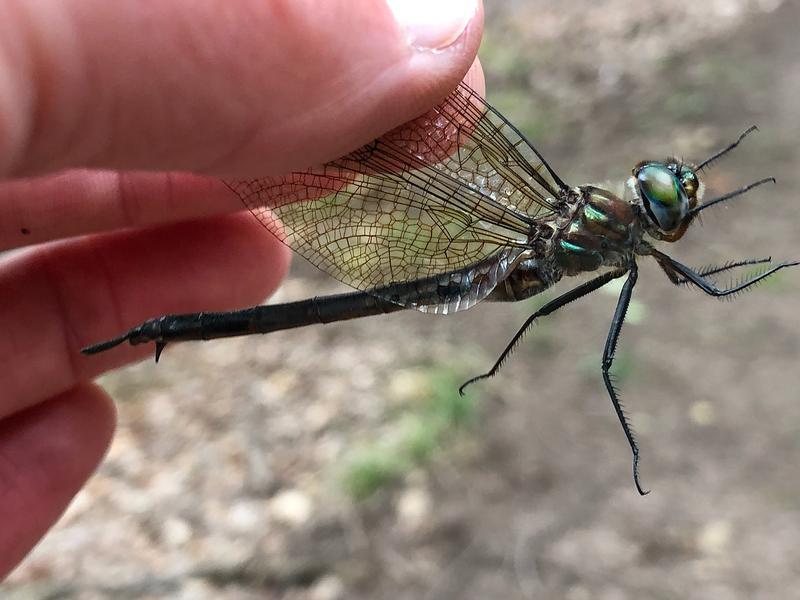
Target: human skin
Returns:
[[115, 118]]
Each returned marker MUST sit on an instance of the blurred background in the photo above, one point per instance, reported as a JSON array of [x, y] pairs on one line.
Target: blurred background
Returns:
[[339, 461]]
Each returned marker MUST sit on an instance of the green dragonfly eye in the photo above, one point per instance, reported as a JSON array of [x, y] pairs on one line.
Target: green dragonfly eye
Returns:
[[663, 196]]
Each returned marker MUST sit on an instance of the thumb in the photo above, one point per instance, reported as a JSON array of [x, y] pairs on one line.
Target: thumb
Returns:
[[252, 87]]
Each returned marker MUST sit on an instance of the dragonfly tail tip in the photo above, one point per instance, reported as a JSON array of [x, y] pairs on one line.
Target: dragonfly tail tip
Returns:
[[103, 346]]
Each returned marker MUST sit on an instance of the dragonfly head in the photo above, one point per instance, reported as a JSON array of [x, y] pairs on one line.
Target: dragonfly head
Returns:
[[666, 192]]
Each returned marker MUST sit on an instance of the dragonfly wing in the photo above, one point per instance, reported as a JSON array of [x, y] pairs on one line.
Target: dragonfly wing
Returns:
[[453, 191], [492, 154]]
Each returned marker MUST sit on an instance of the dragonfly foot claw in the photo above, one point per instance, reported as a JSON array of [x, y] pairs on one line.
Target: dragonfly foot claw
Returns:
[[637, 483]]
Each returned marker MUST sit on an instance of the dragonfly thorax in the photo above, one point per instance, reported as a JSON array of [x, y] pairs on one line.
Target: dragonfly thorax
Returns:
[[602, 231]]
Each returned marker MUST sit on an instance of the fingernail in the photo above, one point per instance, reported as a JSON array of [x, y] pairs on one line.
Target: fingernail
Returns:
[[433, 24]]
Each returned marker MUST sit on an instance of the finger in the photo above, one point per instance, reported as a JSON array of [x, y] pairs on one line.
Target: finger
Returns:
[[46, 454], [74, 203], [57, 298], [80, 202], [252, 87]]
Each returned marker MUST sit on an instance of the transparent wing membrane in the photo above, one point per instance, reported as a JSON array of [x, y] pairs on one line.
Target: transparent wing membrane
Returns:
[[456, 189]]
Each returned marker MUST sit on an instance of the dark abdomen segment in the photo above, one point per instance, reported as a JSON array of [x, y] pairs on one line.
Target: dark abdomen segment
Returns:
[[258, 319]]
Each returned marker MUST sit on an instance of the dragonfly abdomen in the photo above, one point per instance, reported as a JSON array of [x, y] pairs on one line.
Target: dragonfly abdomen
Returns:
[[532, 276]]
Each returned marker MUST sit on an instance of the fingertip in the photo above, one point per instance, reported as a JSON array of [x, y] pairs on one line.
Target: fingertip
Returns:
[[381, 85]]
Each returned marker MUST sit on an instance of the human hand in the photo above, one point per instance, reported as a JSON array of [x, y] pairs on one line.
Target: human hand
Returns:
[[148, 92]]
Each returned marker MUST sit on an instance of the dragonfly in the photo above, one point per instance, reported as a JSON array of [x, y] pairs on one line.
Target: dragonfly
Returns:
[[458, 207]]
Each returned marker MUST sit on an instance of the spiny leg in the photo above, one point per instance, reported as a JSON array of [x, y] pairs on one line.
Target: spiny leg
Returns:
[[675, 270], [550, 307], [717, 269], [608, 360]]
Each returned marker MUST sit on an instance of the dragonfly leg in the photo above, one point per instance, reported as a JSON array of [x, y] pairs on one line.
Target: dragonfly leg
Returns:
[[716, 269], [679, 273], [679, 280], [550, 307], [608, 360]]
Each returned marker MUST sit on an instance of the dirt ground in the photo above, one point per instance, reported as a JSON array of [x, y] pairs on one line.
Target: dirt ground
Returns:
[[226, 477]]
